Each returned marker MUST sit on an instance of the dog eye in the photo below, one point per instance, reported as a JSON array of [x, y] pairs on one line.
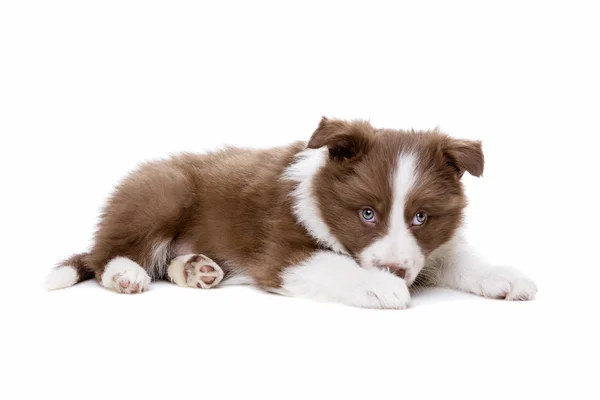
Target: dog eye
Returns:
[[368, 214], [419, 218]]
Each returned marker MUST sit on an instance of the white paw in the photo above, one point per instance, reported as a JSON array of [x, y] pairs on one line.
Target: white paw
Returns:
[[195, 270], [331, 277], [507, 283], [382, 290], [125, 276]]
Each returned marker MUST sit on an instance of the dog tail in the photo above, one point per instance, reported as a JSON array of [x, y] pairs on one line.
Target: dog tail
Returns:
[[69, 272]]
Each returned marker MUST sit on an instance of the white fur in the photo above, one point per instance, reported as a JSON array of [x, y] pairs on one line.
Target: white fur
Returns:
[[458, 266], [328, 276], [176, 269], [398, 246], [160, 252], [121, 269], [61, 277], [306, 208]]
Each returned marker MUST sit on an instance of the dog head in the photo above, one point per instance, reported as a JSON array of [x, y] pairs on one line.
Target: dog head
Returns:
[[387, 198]]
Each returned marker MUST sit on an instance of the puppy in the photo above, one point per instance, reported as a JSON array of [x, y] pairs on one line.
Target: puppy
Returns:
[[356, 216]]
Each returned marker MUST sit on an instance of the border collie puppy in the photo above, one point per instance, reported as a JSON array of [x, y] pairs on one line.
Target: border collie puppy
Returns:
[[356, 215]]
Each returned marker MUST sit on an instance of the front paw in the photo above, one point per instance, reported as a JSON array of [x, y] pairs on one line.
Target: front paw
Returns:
[[507, 283], [382, 290]]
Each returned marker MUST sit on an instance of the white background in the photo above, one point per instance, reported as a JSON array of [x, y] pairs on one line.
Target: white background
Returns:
[[89, 89]]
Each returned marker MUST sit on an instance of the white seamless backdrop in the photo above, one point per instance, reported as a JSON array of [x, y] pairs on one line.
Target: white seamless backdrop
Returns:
[[90, 89]]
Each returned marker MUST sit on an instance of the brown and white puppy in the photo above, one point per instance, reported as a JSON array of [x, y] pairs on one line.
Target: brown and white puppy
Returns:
[[355, 216]]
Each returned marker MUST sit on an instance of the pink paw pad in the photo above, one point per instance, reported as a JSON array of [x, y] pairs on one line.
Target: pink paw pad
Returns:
[[202, 272], [125, 285]]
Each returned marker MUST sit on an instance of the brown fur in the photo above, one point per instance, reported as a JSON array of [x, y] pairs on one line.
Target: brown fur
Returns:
[[348, 184], [232, 206]]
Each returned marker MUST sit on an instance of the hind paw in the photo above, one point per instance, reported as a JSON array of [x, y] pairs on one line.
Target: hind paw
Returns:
[[125, 276], [195, 270]]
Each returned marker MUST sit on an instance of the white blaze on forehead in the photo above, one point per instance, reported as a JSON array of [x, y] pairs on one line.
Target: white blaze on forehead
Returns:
[[306, 207], [398, 246], [403, 180]]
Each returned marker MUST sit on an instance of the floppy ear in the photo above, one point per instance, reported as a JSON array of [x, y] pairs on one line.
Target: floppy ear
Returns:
[[345, 140], [465, 155]]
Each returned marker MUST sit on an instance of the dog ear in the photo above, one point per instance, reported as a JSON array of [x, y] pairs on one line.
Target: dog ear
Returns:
[[345, 140], [465, 155]]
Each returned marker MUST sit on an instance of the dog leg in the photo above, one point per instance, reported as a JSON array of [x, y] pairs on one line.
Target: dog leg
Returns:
[[458, 266], [331, 277]]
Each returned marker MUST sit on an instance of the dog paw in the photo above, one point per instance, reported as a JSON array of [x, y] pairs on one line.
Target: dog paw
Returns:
[[202, 272], [195, 270], [125, 276], [509, 284], [382, 290]]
